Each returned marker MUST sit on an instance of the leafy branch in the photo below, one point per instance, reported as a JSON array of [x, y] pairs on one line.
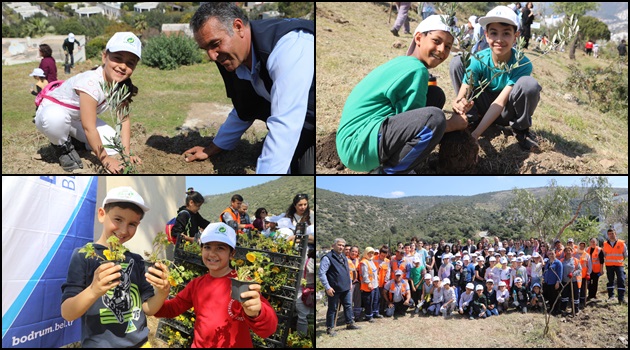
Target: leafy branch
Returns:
[[119, 109], [116, 251]]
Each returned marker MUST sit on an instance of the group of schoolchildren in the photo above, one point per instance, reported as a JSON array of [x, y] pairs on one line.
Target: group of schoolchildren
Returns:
[[393, 118], [471, 285]]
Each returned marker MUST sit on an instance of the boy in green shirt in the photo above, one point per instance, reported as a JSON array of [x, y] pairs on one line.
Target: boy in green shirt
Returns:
[[392, 119], [511, 98]]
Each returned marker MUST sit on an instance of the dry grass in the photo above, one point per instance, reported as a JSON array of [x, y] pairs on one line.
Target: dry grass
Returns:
[[600, 325], [354, 38]]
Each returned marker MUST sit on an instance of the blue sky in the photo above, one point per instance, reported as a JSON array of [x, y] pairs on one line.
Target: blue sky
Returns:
[[404, 186], [209, 185]]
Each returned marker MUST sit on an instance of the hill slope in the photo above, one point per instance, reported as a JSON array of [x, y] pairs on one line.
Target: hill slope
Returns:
[[354, 38], [365, 220], [276, 196]]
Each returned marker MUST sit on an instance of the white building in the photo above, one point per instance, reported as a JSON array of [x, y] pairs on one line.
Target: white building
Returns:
[[112, 9], [145, 6], [90, 11]]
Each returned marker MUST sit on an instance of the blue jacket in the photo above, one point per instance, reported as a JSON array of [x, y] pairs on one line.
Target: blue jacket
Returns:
[[549, 276]]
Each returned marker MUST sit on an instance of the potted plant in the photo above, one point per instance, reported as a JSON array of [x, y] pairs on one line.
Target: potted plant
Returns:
[[253, 269], [115, 252], [176, 273]]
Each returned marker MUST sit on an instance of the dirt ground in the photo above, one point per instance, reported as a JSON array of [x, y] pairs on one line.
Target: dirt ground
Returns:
[[499, 154], [601, 324], [159, 153]]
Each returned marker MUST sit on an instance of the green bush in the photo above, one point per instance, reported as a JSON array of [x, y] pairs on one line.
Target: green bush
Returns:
[[170, 52], [95, 47]]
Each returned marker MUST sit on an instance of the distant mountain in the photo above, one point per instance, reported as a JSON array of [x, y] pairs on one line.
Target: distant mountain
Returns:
[[366, 220], [276, 196]]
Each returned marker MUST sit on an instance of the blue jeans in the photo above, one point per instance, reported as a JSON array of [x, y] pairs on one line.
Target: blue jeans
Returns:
[[370, 302], [494, 312], [333, 301], [621, 281]]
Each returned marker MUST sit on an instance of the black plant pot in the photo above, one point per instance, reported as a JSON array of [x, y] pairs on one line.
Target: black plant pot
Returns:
[[239, 287], [116, 263], [157, 268]]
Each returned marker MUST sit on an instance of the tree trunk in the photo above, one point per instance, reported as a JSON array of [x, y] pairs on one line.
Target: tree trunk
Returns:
[[572, 48]]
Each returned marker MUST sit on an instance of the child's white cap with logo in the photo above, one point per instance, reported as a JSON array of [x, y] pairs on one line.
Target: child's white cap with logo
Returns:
[[125, 41], [219, 232], [125, 194]]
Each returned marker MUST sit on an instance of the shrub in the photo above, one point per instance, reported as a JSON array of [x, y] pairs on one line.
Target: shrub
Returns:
[[170, 52], [95, 47]]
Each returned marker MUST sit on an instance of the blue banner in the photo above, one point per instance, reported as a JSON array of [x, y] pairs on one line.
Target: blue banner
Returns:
[[43, 219]]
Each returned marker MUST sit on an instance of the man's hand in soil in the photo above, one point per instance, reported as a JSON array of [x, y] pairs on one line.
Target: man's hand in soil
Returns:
[[200, 153]]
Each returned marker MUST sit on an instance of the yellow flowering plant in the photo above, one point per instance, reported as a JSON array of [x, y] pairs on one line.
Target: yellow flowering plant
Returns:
[[115, 252], [255, 266]]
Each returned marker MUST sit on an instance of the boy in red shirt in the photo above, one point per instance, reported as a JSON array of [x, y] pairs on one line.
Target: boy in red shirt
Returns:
[[220, 321]]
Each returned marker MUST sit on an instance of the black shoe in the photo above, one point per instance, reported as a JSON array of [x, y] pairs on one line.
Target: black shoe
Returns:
[[371, 320], [378, 316], [526, 140], [331, 332], [395, 32], [352, 326], [68, 157], [78, 145]]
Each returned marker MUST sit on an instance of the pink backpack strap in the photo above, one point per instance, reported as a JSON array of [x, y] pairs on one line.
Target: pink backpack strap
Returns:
[[61, 103]]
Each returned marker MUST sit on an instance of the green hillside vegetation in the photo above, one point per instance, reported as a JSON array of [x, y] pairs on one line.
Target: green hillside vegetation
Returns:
[[276, 196], [581, 118], [373, 221]]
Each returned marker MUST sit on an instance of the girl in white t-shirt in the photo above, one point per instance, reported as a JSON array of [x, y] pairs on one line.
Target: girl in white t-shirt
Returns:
[[72, 108]]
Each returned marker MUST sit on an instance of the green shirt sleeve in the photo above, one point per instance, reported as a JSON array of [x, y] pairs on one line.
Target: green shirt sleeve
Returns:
[[397, 86]]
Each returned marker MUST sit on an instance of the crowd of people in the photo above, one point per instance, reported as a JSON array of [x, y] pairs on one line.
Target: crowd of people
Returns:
[[472, 280]]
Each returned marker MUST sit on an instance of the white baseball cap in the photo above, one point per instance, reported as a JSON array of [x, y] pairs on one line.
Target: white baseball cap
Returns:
[[285, 223], [38, 72], [433, 22], [427, 276], [125, 41], [398, 272], [500, 14], [436, 279], [71, 37], [492, 258], [502, 284], [503, 260], [466, 257], [219, 232], [479, 287], [416, 260], [125, 194], [470, 286], [518, 279], [446, 281]]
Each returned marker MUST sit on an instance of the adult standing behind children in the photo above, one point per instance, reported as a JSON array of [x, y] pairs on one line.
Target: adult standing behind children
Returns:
[[221, 322], [402, 19], [231, 216], [268, 70], [615, 251], [72, 109], [188, 219], [97, 292], [48, 64], [511, 98], [68, 48], [527, 18]]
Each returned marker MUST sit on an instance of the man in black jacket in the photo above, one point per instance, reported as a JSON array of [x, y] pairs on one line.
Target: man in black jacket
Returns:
[[267, 67]]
